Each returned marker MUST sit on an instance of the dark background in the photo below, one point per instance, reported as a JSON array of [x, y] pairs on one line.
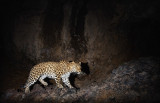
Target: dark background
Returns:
[[104, 33]]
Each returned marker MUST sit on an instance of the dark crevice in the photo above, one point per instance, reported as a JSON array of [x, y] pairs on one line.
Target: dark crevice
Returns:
[[77, 22], [52, 23]]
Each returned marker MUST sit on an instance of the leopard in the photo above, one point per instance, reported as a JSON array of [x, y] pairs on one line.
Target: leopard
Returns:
[[53, 70]]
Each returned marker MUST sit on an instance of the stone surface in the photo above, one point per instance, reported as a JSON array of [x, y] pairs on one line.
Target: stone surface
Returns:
[[98, 32]]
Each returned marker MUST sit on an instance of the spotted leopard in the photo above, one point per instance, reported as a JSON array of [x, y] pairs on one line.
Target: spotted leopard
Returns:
[[55, 70]]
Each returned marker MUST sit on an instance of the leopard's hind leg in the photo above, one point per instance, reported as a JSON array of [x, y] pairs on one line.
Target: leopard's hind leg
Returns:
[[31, 80]]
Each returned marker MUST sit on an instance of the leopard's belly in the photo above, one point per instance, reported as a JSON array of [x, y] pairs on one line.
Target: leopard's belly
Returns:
[[53, 75]]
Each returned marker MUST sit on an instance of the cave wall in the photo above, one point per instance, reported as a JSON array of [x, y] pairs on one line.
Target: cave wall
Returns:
[[100, 32]]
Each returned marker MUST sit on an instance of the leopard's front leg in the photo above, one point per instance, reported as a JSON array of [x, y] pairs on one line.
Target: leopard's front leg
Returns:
[[65, 79]]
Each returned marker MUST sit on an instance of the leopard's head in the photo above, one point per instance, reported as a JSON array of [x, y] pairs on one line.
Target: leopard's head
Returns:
[[75, 67]]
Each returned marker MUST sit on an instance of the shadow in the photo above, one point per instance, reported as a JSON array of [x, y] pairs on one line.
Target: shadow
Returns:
[[72, 79], [85, 68], [48, 81]]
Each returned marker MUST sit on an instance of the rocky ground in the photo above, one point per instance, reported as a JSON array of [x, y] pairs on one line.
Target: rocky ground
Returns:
[[134, 81]]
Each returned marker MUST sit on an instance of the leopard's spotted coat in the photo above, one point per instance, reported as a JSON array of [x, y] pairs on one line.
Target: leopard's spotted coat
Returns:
[[55, 70]]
